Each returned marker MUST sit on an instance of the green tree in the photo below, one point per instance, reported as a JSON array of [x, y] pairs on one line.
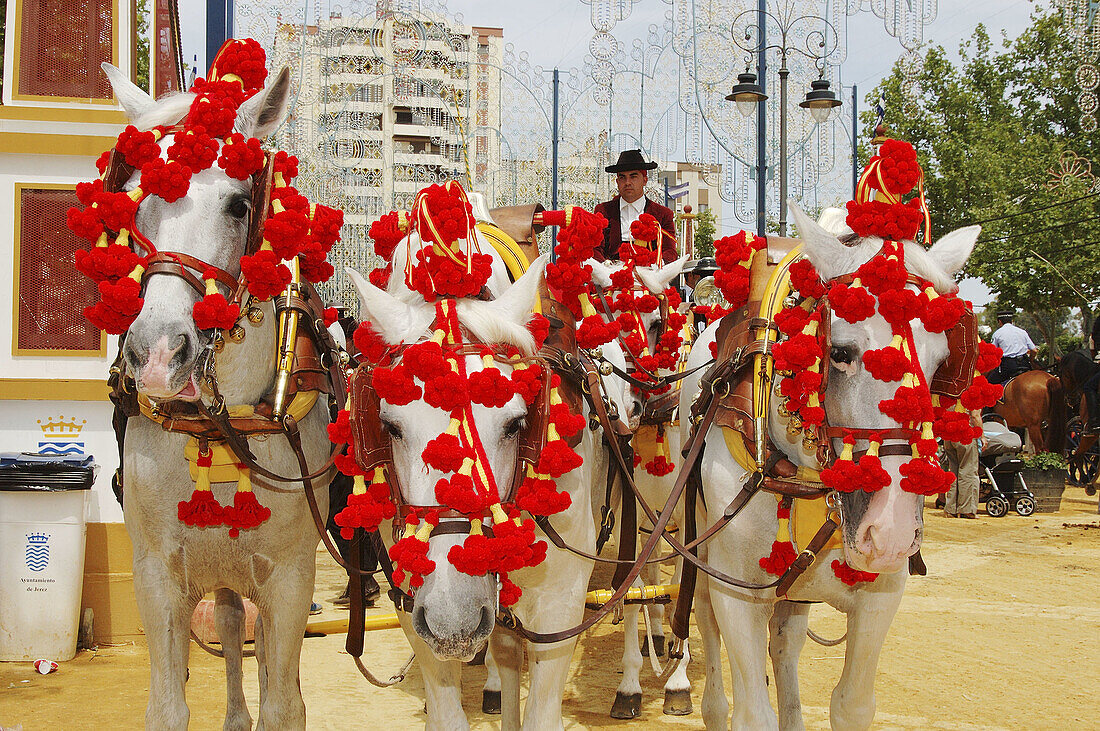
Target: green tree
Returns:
[[141, 45], [705, 228], [989, 131]]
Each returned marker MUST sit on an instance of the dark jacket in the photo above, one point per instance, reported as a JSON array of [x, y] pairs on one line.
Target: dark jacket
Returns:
[[612, 236]]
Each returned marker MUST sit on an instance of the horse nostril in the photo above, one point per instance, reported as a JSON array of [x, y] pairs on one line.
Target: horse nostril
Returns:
[[182, 355], [420, 622], [132, 357], [486, 625]]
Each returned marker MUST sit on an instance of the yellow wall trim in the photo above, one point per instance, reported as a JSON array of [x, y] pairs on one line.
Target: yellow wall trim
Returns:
[[50, 389], [63, 114], [46, 144]]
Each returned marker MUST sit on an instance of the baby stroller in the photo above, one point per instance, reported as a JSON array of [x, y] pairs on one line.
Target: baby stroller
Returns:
[[1000, 483]]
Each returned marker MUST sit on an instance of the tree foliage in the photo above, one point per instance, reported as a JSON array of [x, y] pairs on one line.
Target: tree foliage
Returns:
[[705, 228], [990, 131]]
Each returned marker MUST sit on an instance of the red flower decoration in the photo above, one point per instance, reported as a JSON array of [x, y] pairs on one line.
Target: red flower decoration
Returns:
[[267, 276], [138, 148], [169, 180], [241, 158]]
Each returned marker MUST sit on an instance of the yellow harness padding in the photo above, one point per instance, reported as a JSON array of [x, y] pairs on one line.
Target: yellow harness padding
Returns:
[[807, 514], [223, 467], [509, 251]]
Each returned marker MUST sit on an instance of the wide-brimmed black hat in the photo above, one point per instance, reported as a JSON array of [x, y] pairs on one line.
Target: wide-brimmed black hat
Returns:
[[630, 160], [1006, 314]]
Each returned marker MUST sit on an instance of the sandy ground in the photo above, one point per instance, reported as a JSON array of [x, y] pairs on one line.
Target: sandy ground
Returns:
[[1004, 633]]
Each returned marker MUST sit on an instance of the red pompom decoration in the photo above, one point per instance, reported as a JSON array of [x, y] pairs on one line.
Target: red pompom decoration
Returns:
[[852, 304], [214, 311], [119, 305], [245, 514], [201, 511], [872, 476], [921, 477], [805, 279], [339, 432], [369, 343], [241, 158], [528, 383], [593, 332], [110, 262], [882, 273], [899, 306], [780, 559], [659, 466], [898, 168], [646, 228], [395, 385], [539, 496], [557, 458], [169, 180], [886, 364], [194, 149], [445, 453], [267, 276], [989, 357], [138, 148], [850, 576], [909, 405], [942, 313], [981, 395]]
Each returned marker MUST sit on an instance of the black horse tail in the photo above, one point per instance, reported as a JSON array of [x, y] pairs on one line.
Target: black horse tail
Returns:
[[1056, 417]]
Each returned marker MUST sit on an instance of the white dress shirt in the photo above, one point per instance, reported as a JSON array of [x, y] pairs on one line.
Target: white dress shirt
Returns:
[[628, 214], [1014, 341]]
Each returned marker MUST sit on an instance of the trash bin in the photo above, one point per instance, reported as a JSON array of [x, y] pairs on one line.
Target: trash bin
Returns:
[[42, 531]]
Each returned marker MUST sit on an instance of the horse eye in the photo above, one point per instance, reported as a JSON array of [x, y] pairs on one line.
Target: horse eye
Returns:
[[841, 355], [239, 207], [392, 429], [514, 427]]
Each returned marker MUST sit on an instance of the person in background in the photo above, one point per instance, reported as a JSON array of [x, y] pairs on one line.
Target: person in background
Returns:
[[631, 175], [1016, 346], [962, 499]]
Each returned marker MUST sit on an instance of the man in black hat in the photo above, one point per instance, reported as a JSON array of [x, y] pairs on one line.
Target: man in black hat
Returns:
[[631, 176], [1016, 346]]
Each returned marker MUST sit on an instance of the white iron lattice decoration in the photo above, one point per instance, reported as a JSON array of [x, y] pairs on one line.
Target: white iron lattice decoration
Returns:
[[393, 95], [1081, 19]]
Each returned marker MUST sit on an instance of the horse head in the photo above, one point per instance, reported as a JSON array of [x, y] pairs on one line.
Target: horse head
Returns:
[[881, 529], [454, 611], [653, 281], [209, 223]]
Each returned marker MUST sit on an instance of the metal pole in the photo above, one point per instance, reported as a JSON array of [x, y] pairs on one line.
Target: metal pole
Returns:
[[855, 141], [554, 182], [783, 73], [641, 108], [761, 124]]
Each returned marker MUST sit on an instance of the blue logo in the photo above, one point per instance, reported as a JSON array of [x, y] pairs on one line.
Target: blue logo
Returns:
[[38, 551]]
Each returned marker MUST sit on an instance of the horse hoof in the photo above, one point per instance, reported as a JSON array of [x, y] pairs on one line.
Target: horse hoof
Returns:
[[490, 702], [626, 706], [658, 642], [678, 702]]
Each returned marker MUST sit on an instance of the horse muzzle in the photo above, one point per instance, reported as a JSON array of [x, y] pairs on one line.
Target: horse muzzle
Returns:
[[452, 634]]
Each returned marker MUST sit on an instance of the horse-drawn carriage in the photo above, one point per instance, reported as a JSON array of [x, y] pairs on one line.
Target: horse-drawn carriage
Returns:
[[489, 418]]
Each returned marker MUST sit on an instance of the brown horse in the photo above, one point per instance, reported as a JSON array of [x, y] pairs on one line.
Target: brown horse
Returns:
[[1035, 401]]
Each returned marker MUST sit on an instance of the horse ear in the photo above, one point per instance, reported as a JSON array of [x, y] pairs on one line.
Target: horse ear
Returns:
[[601, 272], [823, 249], [134, 100], [264, 111], [656, 279], [504, 320], [953, 249], [834, 221], [396, 321]]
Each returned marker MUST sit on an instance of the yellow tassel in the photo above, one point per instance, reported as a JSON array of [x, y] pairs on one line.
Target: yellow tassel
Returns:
[[499, 516], [453, 427], [810, 328], [872, 448], [136, 194], [467, 468], [586, 306], [926, 430], [475, 527], [379, 476], [487, 361], [568, 215], [244, 482], [359, 485], [552, 434], [410, 529], [211, 286], [931, 293], [846, 452], [909, 380], [136, 273], [897, 342], [277, 206], [102, 242], [555, 397], [424, 531], [265, 246], [202, 480]]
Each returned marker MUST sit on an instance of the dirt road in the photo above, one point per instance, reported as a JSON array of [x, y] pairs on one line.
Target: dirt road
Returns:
[[1004, 633]]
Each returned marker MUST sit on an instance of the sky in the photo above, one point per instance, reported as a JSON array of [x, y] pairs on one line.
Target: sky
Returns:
[[557, 33]]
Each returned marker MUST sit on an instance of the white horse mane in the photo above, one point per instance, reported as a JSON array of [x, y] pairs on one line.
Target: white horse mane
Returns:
[[168, 110]]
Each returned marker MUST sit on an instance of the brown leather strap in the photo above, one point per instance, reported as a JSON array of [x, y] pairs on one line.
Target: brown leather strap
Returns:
[[681, 619], [806, 558], [887, 450], [357, 611]]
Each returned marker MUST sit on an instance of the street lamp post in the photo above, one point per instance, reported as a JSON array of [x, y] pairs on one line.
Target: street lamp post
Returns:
[[820, 41]]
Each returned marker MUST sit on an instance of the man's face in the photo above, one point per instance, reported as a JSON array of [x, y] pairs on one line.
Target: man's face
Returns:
[[631, 184]]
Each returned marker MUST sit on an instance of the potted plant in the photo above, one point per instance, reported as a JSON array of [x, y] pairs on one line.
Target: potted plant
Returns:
[[1045, 475]]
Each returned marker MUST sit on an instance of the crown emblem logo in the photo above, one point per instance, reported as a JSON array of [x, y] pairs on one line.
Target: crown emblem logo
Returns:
[[38, 551], [61, 429]]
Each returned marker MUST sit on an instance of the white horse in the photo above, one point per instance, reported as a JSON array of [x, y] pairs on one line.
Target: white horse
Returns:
[[880, 530], [454, 613], [654, 490], [174, 564]]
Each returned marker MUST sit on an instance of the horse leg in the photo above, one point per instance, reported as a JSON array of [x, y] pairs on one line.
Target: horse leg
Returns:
[[261, 656], [490, 692], [652, 574], [716, 707], [788, 635], [166, 611], [229, 618], [853, 699], [284, 604], [549, 666], [442, 690], [678, 687], [507, 650], [743, 622], [628, 696], [1035, 436]]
